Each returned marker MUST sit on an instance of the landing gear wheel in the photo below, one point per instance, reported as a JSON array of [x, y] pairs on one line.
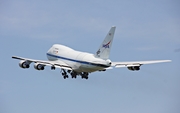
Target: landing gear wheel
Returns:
[[65, 76], [53, 67], [73, 76], [85, 77]]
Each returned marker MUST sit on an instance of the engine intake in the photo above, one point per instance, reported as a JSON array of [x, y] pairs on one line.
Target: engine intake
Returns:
[[39, 66], [24, 64], [134, 68]]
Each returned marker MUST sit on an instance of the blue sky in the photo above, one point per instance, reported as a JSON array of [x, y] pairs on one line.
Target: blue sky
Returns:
[[146, 30]]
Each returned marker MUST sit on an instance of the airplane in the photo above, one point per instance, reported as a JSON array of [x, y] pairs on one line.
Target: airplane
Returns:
[[76, 63]]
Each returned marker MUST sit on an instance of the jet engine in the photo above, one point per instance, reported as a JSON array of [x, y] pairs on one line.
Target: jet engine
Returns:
[[134, 68], [24, 64], [39, 66]]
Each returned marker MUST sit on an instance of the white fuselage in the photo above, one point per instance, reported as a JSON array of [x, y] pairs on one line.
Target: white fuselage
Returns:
[[79, 61]]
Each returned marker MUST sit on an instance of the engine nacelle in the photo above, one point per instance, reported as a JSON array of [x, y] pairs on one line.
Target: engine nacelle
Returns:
[[24, 64], [134, 68], [39, 66]]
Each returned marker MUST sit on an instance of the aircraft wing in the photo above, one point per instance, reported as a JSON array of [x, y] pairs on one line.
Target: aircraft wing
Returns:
[[136, 63], [57, 64]]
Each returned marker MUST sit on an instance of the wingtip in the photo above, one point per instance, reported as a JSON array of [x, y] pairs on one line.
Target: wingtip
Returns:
[[169, 60], [166, 60]]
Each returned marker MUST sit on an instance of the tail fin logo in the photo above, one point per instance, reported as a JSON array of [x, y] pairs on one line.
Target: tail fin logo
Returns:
[[106, 45]]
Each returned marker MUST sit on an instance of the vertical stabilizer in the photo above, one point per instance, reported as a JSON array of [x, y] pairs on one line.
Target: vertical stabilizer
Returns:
[[104, 50]]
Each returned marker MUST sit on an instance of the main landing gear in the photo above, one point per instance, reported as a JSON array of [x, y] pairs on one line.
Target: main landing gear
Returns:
[[53, 67], [84, 75], [64, 74], [74, 74]]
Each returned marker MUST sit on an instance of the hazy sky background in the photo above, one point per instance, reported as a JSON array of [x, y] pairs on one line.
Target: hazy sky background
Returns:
[[146, 30]]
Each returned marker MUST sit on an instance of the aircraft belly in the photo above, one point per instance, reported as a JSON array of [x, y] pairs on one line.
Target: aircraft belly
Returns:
[[88, 68], [79, 67], [72, 64]]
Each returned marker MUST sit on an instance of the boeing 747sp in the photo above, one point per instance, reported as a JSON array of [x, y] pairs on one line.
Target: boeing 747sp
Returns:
[[81, 63]]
